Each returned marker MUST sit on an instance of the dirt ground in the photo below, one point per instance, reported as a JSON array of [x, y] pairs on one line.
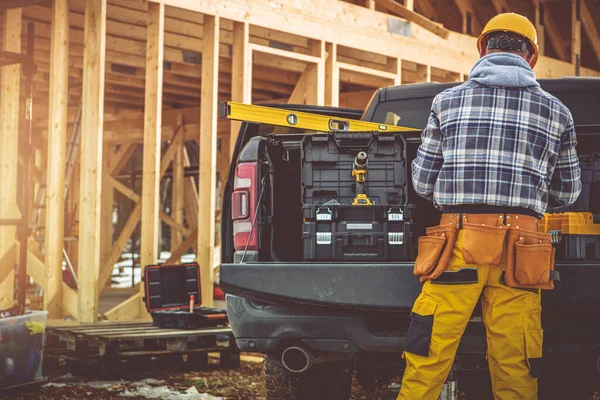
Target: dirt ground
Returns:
[[243, 383]]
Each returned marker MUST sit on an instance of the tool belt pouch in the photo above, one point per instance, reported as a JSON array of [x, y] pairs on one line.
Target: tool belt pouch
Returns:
[[435, 250], [483, 244], [530, 260]]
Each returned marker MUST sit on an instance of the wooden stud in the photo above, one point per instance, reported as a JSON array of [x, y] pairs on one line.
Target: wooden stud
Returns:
[[370, 4], [501, 6], [398, 80], [10, 82], [91, 159], [152, 138], [558, 42], [241, 75], [332, 76], [539, 26], [69, 301], [190, 195], [177, 191], [409, 4], [108, 197], [315, 77], [468, 12], [57, 151], [208, 156], [589, 26], [427, 9], [125, 311], [576, 35], [409, 14]]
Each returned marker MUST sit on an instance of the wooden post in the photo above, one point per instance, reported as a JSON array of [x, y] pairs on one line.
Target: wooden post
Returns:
[[539, 25], [241, 74], [208, 155], [152, 138], [332, 76], [57, 149], [107, 206], [576, 35], [177, 195], [91, 159], [10, 85], [315, 74]]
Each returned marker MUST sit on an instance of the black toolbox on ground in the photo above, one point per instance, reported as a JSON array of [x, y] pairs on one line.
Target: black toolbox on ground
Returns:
[[168, 295], [333, 228]]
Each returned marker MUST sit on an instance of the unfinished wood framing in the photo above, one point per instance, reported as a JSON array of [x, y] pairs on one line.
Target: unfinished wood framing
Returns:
[[470, 23], [91, 159], [332, 77], [152, 137], [539, 25], [407, 11], [241, 74], [576, 35], [589, 26], [177, 189], [57, 149], [10, 84], [208, 156], [556, 38]]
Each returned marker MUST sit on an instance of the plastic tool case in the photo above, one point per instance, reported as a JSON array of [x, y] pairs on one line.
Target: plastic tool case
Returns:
[[334, 228], [168, 289]]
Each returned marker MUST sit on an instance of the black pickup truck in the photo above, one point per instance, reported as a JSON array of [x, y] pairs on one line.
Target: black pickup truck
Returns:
[[322, 318]]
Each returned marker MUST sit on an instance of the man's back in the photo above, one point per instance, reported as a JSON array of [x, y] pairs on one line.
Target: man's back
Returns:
[[501, 141]]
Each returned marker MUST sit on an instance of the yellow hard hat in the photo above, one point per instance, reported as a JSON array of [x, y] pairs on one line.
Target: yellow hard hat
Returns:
[[511, 22]]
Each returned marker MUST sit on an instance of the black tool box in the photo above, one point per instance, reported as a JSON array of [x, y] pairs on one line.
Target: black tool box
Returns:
[[336, 229], [327, 161], [356, 233], [589, 199], [168, 296]]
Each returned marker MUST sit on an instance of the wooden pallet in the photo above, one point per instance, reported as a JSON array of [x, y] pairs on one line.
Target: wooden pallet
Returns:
[[117, 348]]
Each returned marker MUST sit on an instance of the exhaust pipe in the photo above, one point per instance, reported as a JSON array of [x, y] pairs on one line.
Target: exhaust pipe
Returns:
[[298, 359]]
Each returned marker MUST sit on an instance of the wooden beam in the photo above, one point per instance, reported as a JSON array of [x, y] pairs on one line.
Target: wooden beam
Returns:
[[126, 311], [468, 14], [370, 4], [558, 42], [152, 138], [315, 73], [501, 6], [57, 152], [113, 183], [576, 35], [332, 76], [189, 241], [7, 263], [208, 156], [91, 159], [117, 250], [241, 74], [190, 195], [298, 95], [427, 9], [402, 11], [108, 198], [409, 4], [281, 53], [10, 83], [589, 27], [539, 26], [167, 219], [69, 301], [177, 192]]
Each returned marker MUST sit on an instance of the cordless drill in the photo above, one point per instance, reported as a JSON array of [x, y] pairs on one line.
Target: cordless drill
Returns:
[[359, 171]]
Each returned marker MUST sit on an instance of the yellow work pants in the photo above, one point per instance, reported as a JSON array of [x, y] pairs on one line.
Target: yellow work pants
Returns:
[[440, 315]]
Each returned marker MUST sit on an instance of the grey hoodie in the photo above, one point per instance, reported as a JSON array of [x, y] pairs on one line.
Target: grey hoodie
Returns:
[[503, 70]]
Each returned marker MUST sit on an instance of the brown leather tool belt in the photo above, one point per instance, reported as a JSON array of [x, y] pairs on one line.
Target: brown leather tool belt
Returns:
[[487, 238]]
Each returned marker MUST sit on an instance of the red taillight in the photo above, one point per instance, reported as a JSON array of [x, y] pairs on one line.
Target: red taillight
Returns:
[[243, 206]]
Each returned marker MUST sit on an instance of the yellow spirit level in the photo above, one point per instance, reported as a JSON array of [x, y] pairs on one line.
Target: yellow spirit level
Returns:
[[301, 120]]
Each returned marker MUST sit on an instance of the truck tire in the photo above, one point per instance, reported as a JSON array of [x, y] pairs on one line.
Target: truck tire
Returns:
[[332, 381]]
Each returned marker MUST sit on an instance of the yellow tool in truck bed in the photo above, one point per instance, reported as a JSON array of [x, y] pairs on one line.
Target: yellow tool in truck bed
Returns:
[[301, 120]]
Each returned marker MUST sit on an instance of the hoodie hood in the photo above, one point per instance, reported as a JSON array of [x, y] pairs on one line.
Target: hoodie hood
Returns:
[[503, 70]]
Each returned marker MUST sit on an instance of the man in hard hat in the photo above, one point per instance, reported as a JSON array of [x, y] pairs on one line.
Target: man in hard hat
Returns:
[[496, 153]]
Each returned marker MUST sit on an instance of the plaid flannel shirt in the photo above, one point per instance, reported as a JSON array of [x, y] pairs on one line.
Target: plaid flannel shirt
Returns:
[[498, 146]]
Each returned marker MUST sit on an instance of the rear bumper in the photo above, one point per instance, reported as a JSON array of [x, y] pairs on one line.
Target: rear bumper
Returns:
[[269, 328]]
